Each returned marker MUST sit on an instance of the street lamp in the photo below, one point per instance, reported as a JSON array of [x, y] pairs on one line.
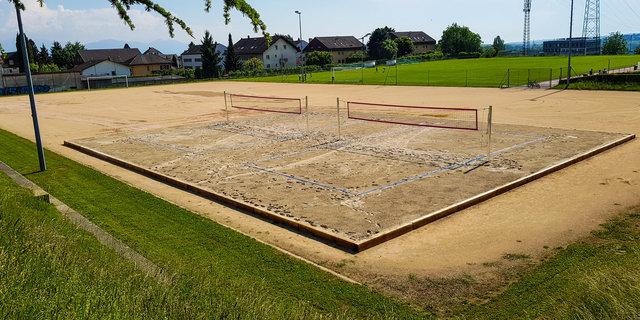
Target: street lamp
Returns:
[[300, 41], [364, 47]]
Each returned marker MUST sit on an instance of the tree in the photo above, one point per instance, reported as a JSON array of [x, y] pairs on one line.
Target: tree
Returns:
[[498, 44], [32, 51], [254, 64], [43, 56], [615, 44], [286, 36], [378, 36], [174, 62], [123, 7], [210, 57], [231, 61], [456, 39], [191, 44], [126, 46], [357, 56], [637, 51], [405, 46], [70, 53], [319, 58], [58, 55], [3, 54], [490, 52], [388, 49]]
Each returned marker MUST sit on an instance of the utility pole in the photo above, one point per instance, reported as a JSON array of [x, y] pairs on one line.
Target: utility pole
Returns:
[[301, 53], [32, 99]]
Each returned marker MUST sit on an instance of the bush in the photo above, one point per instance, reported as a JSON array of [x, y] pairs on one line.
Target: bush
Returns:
[[319, 58], [252, 65]]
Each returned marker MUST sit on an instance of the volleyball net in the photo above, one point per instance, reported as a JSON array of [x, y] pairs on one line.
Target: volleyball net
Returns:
[[266, 104]]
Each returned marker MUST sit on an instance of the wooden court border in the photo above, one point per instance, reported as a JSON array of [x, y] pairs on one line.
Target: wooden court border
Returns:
[[357, 246]]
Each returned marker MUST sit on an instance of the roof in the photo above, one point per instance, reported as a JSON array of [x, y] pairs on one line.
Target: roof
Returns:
[[258, 45], [115, 55], [415, 36], [197, 49], [83, 66], [333, 43], [146, 59], [152, 50]]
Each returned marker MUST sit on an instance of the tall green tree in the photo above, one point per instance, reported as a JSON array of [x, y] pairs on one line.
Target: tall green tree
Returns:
[[3, 54], [405, 46], [498, 44], [210, 57], [388, 49], [615, 44], [123, 7], [231, 61], [58, 55], [456, 39], [32, 52], [70, 53], [43, 55], [378, 36]]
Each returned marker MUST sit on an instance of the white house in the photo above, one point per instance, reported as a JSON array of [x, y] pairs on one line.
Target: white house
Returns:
[[103, 68], [192, 57], [301, 44], [11, 63], [280, 54]]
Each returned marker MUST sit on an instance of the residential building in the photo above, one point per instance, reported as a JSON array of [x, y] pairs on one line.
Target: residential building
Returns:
[[340, 47], [10, 64], [280, 54], [192, 57], [139, 64], [102, 68], [421, 41], [579, 46], [170, 57]]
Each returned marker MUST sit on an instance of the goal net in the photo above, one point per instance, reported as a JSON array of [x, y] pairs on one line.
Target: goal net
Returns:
[[449, 118], [96, 82], [266, 104], [346, 74]]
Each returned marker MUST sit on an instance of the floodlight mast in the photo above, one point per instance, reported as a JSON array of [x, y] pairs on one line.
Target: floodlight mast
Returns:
[[300, 39], [364, 48]]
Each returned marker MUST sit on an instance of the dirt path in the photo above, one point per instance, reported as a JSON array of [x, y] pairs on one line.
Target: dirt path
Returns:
[[554, 211]]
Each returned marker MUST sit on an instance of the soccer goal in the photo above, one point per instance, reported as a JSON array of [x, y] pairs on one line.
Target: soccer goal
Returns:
[[107, 82], [346, 74]]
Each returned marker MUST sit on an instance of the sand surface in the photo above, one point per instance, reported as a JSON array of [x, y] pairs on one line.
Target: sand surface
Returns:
[[556, 210]]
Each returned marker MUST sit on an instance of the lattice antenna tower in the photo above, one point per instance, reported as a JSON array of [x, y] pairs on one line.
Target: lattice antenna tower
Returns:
[[526, 39], [591, 27]]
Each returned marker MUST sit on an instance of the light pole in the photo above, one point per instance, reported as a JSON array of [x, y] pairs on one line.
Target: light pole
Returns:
[[570, 36], [364, 48], [300, 39]]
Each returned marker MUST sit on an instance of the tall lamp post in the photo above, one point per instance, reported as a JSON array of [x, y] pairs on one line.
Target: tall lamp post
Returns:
[[364, 48], [301, 53], [32, 100], [570, 36]]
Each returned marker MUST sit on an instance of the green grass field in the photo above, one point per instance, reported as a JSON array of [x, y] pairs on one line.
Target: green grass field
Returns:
[[467, 72], [51, 270]]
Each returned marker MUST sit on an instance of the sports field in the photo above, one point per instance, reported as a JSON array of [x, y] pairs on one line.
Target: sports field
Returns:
[[553, 211], [466, 73]]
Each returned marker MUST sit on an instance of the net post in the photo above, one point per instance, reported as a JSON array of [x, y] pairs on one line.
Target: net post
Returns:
[[338, 118], [306, 111], [226, 109], [489, 120]]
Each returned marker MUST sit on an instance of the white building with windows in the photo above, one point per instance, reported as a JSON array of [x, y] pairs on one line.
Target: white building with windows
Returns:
[[192, 57], [280, 54]]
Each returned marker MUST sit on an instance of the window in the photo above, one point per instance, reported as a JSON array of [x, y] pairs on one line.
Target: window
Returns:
[[147, 68], [268, 66], [275, 56], [187, 60], [276, 47], [198, 60], [268, 57], [276, 65], [10, 62], [113, 73], [284, 47]]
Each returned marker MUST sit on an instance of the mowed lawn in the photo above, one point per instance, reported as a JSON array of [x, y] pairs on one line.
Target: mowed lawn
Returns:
[[466, 73]]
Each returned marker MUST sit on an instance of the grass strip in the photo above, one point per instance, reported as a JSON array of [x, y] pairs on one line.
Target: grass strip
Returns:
[[218, 272], [597, 279]]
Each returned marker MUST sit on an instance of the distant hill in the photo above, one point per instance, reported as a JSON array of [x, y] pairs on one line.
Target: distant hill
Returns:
[[165, 46]]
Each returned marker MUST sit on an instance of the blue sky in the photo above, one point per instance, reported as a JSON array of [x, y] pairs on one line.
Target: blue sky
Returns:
[[93, 20]]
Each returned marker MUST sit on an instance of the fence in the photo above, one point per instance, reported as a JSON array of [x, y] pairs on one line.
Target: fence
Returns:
[[12, 84]]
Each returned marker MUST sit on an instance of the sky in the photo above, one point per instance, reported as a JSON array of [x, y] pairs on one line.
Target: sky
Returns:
[[89, 21]]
